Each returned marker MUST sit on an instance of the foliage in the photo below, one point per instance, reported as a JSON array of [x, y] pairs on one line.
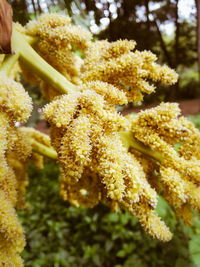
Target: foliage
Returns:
[[195, 120], [59, 234]]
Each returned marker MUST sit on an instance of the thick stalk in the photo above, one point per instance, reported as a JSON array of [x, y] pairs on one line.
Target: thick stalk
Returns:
[[38, 65], [9, 63], [11, 59], [129, 140], [43, 150]]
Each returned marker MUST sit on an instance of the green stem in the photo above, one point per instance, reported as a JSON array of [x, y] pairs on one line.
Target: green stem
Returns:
[[8, 63], [129, 140], [30, 39], [38, 65], [10, 60], [43, 150]]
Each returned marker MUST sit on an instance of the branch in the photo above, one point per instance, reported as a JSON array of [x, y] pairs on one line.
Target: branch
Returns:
[[9, 63], [177, 32], [129, 140], [43, 150], [10, 60], [162, 42]]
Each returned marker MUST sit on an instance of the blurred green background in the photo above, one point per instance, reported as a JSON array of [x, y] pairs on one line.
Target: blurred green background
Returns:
[[59, 234]]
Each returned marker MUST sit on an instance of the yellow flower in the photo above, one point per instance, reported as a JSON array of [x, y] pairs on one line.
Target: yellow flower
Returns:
[[128, 71], [56, 38], [57, 30], [95, 165], [14, 100], [161, 129], [11, 233]]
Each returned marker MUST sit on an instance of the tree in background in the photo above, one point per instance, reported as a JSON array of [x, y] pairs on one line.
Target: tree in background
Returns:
[[20, 10], [197, 2], [144, 21]]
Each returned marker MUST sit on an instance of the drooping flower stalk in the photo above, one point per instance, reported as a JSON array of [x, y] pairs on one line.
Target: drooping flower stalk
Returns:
[[87, 127], [43, 150], [130, 141]]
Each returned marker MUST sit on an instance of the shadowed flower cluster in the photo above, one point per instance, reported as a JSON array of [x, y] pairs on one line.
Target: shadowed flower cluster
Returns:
[[162, 129]]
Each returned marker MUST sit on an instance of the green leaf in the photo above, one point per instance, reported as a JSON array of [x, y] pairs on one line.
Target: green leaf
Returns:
[[108, 245], [121, 254], [113, 217]]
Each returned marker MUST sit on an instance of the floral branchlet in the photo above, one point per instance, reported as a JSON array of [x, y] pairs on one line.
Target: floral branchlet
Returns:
[[95, 164], [16, 148], [56, 40], [162, 128], [116, 63]]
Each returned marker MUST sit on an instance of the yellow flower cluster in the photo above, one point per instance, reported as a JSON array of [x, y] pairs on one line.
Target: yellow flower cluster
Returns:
[[91, 139], [15, 106], [11, 234], [17, 161], [14, 101], [162, 129], [58, 30], [128, 71], [85, 127], [95, 164], [56, 40]]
